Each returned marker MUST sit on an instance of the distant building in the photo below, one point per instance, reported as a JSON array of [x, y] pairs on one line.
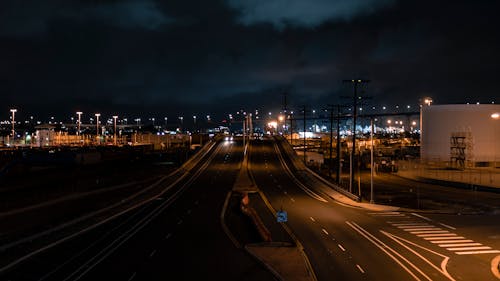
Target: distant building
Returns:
[[462, 135], [44, 135]]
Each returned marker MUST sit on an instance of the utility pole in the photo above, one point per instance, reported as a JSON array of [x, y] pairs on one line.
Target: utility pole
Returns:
[[304, 111], [339, 162], [371, 161], [355, 83], [331, 141]]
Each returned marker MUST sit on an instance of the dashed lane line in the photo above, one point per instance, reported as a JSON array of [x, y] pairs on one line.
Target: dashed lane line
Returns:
[[360, 268], [342, 248]]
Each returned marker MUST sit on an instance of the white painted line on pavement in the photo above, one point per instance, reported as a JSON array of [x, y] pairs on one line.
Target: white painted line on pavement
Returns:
[[407, 225], [448, 237], [342, 248], [291, 199], [448, 226], [478, 252], [385, 248], [459, 245], [324, 231], [312, 219], [429, 231], [422, 229], [495, 266], [437, 235], [444, 262], [469, 248], [360, 269], [422, 217], [132, 276], [452, 241], [152, 253], [168, 235]]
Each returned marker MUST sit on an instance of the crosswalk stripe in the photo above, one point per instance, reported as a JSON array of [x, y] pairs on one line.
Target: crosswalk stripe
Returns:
[[452, 241], [437, 236], [478, 252], [441, 237], [422, 229], [459, 245], [408, 225], [469, 248], [429, 231]]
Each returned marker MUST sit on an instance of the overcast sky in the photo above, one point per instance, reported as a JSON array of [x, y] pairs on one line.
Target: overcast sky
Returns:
[[171, 57]]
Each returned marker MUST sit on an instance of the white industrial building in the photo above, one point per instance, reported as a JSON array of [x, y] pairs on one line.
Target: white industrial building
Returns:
[[461, 135]]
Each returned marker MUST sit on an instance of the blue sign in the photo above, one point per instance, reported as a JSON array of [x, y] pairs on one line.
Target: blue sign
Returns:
[[282, 216]]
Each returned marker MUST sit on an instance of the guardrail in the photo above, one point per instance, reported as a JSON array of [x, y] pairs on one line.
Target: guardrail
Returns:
[[309, 174]]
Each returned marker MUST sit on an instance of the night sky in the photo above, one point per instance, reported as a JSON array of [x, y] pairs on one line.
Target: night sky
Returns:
[[213, 57]]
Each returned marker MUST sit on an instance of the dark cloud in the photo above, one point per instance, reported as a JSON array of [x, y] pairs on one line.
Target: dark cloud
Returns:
[[303, 13], [171, 57]]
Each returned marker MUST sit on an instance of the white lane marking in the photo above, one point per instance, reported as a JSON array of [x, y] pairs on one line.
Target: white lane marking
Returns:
[[429, 231], [342, 248], [452, 241], [388, 215], [448, 237], [324, 231], [384, 248], [425, 236], [132, 276], [360, 269], [410, 225], [444, 262], [152, 253], [422, 228], [459, 245], [448, 226], [495, 266], [422, 217], [312, 219], [168, 235], [478, 252], [469, 248], [379, 213], [291, 199]]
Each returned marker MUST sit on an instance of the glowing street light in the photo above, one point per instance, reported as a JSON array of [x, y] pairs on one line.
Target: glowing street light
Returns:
[[428, 101], [495, 115], [13, 111], [97, 115], [79, 113], [114, 131]]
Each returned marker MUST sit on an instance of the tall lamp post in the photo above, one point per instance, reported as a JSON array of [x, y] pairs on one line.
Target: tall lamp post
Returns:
[[114, 131], [13, 111], [79, 113], [97, 115]]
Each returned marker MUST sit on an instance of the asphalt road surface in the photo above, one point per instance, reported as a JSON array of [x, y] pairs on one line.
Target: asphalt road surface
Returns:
[[176, 237], [346, 243]]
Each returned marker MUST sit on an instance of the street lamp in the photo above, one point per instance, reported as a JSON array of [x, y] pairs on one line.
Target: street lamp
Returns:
[[13, 111], [97, 124], [114, 136], [79, 113]]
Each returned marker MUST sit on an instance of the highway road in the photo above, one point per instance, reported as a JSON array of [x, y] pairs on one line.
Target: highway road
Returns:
[[177, 236], [347, 243]]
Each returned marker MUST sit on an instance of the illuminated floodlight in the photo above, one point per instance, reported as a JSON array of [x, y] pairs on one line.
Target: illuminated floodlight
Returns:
[[495, 115]]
